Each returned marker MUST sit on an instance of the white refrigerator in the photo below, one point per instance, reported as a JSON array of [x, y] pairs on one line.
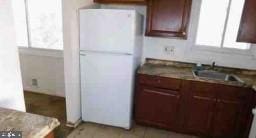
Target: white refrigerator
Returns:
[[110, 52]]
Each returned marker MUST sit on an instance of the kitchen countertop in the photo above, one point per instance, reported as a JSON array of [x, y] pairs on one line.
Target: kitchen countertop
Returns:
[[31, 125], [181, 70]]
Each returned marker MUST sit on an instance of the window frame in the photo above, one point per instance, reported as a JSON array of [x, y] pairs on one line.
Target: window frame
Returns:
[[220, 49], [29, 46]]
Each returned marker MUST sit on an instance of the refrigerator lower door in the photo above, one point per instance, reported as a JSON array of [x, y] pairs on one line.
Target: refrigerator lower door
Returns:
[[106, 88]]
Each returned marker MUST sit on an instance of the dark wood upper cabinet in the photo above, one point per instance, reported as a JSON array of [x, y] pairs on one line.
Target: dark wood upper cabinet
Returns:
[[168, 18], [247, 30], [122, 1]]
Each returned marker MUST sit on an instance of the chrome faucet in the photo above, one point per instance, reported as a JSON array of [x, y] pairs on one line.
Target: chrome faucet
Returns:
[[213, 65]]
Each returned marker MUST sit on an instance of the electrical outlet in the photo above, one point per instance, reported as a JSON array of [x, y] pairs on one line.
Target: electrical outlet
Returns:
[[169, 50], [35, 82]]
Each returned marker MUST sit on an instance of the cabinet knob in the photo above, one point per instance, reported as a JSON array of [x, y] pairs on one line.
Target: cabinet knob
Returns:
[[184, 33]]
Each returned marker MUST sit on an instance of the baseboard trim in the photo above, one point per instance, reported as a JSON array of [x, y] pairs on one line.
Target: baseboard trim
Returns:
[[42, 92], [74, 125]]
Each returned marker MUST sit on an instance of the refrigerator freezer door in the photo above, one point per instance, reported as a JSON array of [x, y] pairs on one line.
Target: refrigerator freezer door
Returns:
[[106, 88], [107, 30]]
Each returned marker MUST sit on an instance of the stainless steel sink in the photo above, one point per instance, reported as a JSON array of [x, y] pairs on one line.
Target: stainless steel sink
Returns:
[[215, 75]]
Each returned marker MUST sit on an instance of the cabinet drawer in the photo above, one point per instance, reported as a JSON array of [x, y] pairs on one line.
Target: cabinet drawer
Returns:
[[157, 107], [167, 92], [233, 93], [203, 89], [160, 82]]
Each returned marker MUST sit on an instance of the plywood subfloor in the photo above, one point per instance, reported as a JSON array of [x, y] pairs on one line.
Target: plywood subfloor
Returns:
[[51, 106]]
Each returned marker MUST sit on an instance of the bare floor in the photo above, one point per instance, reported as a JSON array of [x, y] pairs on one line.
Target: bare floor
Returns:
[[90, 130], [53, 106]]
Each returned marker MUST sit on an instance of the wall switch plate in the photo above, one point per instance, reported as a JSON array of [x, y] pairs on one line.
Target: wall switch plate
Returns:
[[169, 50]]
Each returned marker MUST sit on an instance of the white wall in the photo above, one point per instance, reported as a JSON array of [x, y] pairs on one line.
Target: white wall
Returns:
[[71, 57], [254, 51], [11, 91], [185, 50], [47, 66]]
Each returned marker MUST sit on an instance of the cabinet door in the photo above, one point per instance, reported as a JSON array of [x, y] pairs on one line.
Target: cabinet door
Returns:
[[159, 107], [247, 31], [122, 1], [200, 108], [231, 112], [226, 119], [168, 18]]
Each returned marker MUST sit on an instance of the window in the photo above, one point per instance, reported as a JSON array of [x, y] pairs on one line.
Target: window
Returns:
[[38, 23], [219, 23]]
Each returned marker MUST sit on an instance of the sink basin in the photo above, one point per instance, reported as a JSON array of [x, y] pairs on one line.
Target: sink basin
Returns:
[[214, 75]]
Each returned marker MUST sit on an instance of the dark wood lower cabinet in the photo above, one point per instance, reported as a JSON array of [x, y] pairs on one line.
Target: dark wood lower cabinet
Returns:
[[227, 119], [200, 108], [199, 114], [158, 107]]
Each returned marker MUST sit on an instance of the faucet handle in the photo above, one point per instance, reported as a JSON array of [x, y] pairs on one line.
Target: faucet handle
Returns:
[[213, 65]]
